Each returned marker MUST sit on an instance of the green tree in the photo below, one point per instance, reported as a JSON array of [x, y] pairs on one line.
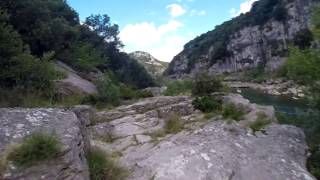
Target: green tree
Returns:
[[82, 56], [205, 85], [19, 68], [45, 25], [303, 65], [101, 25]]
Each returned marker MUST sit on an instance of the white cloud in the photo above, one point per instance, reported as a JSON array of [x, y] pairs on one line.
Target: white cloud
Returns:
[[244, 7], [195, 12], [176, 10], [162, 41]]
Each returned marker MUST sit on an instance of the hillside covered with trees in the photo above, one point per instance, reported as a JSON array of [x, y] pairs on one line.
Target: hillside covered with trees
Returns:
[[36, 33]]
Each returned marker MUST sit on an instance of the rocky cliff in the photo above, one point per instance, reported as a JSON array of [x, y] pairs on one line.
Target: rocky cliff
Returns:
[[152, 65], [258, 38]]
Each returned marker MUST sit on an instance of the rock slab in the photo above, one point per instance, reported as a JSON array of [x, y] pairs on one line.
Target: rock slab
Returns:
[[69, 127]]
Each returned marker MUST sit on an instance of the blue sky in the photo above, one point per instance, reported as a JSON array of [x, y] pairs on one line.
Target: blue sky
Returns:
[[162, 27]]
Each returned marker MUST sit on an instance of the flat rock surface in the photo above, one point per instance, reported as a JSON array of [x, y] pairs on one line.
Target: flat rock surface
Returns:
[[206, 149], [67, 125]]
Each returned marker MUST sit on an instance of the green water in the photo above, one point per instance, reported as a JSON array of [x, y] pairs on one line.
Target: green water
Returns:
[[283, 104]]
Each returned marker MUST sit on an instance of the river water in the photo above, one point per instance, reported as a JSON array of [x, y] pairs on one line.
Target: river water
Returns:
[[283, 104]]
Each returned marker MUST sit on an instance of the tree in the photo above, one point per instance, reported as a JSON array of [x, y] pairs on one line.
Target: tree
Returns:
[[82, 56], [19, 68], [45, 25], [102, 26], [204, 85]]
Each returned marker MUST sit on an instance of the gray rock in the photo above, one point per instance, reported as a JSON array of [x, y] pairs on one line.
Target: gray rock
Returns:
[[247, 47], [204, 150], [69, 127], [73, 83], [151, 64], [216, 152], [141, 139]]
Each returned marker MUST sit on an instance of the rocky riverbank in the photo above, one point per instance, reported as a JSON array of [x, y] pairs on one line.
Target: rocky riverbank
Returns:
[[272, 87]]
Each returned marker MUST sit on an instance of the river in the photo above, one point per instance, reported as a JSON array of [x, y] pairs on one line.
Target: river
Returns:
[[282, 104]]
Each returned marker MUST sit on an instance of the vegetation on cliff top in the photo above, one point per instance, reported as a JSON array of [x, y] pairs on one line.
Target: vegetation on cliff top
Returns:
[[261, 12]]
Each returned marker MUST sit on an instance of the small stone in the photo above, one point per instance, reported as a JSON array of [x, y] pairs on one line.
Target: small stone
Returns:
[[205, 156]]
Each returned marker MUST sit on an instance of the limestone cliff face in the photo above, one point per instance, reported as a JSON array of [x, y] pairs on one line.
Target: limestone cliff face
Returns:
[[152, 65], [248, 45]]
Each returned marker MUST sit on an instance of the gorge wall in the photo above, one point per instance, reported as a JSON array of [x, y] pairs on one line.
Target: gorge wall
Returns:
[[259, 37]]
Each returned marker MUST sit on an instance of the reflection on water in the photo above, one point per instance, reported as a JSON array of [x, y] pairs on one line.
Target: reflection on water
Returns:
[[281, 104]]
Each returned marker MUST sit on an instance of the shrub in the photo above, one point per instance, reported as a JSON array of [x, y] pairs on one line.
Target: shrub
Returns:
[[37, 147], [231, 111], [127, 92], [108, 92], [174, 124], [144, 94], [205, 85], [179, 87], [82, 56], [261, 121], [302, 65], [102, 166], [207, 104], [314, 164]]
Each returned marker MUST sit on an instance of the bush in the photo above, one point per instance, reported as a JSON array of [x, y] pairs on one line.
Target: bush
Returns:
[[174, 124], [37, 147], [205, 85], [261, 121], [231, 111], [22, 70], [108, 92], [82, 56], [144, 94], [257, 75], [179, 87], [302, 65], [102, 166], [207, 104]]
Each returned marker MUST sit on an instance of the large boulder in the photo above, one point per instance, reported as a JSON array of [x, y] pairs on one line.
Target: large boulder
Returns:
[[70, 128], [73, 84]]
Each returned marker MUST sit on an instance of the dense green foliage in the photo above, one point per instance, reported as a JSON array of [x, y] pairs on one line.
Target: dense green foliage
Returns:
[[178, 87], [207, 104], [111, 92], [261, 12], [34, 33], [231, 111], [21, 72], [37, 147], [303, 65], [102, 166], [205, 85]]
